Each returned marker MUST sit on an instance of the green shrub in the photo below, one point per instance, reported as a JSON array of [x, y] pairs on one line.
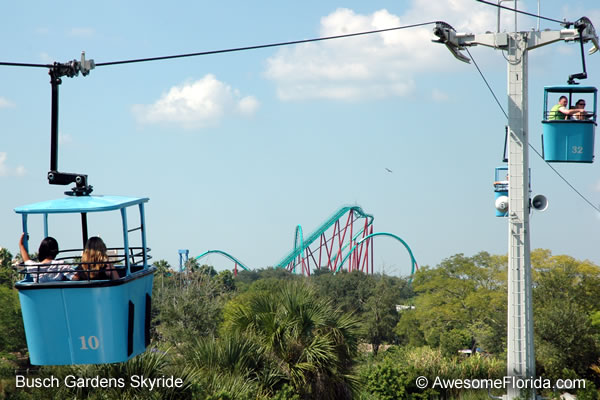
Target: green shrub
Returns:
[[387, 381]]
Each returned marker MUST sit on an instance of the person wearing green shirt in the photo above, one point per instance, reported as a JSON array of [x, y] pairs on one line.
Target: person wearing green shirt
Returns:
[[560, 110]]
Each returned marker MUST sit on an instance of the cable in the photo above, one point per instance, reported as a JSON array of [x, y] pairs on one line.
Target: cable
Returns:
[[262, 46], [12, 64], [526, 13], [530, 145], [204, 53], [486, 82], [565, 180]]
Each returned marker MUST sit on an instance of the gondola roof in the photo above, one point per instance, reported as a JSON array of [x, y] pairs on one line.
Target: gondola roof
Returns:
[[80, 204]]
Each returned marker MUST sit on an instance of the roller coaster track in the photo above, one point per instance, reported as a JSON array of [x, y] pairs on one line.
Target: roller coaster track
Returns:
[[332, 245], [302, 254], [414, 265], [227, 255]]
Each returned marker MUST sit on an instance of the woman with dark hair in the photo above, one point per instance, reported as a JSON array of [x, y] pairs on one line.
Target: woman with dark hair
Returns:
[[46, 268], [94, 262]]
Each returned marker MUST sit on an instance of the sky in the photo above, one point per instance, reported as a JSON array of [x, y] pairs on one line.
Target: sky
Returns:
[[236, 149]]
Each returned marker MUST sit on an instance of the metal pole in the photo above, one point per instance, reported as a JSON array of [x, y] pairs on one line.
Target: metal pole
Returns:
[[520, 349], [54, 81], [84, 228], [520, 357], [515, 7]]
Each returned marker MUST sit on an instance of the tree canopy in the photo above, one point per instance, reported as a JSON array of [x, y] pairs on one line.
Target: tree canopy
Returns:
[[270, 334]]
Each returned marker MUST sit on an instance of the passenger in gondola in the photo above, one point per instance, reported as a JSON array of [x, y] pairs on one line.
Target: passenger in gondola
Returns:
[[581, 114], [95, 262], [560, 110], [47, 268]]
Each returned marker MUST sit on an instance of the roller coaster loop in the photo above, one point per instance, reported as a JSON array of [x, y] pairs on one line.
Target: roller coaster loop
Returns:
[[414, 264], [232, 258]]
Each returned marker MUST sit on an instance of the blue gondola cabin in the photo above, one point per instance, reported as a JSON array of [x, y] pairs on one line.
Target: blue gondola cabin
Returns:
[[501, 191], [569, 138], [89, 321]]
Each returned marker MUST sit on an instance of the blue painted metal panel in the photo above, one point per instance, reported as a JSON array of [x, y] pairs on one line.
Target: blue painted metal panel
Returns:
[[573, 89], [82, 322], [568, 141], [79, 204]]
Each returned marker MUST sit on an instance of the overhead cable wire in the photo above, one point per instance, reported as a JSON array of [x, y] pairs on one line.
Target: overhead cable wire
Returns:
[[262, 46], [279, 44], [525, 12], [486, 82], [14, 64], [231, 50], [530, 145]]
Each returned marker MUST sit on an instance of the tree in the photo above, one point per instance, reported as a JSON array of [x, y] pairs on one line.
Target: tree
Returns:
[[408, 330], [208, 270], [163, 268], [188, 306], [226, 280], [381, 316], [311, 343], [5, 258], [373, 298], [467, 293], [565, 304], [12, 332], [348, 290], [387, 380], [232, 366], [191, 265], [453, 341], [8, 276]]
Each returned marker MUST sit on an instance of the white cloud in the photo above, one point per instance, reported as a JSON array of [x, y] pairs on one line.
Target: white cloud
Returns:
[[5, 103], [196, 104], [82, 32], [20, 170], [248, 105], [64, 138], [439, 96], [378, 65], [567, 51], [46, 58], [3, 168], [8, 171]]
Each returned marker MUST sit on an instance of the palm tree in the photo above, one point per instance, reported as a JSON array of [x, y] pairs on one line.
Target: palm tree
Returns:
[[303, 337], [233, 366], [163, 268]]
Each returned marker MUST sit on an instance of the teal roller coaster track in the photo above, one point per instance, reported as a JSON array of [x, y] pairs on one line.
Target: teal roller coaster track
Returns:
[[345, 238]]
